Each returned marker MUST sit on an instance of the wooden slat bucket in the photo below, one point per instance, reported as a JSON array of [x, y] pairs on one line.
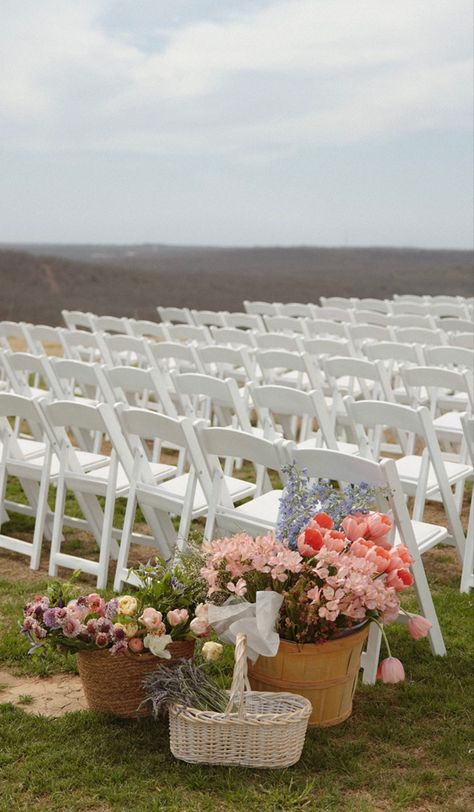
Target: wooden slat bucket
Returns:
[[325, 673]]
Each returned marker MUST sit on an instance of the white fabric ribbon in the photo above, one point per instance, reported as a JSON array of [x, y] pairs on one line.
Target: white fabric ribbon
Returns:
[[256, 620]]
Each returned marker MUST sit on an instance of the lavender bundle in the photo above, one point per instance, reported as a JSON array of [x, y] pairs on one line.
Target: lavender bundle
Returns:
[[183, 683]]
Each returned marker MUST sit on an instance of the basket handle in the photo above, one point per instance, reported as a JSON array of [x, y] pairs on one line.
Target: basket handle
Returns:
[[240, 682]]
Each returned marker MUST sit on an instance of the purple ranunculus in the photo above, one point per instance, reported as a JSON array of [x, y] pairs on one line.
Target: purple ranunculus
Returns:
[[104, 625], [120, 647], [71, 627], [111, 608], [50, 619]]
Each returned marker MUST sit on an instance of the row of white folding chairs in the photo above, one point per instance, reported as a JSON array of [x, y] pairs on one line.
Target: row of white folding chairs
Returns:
[[206, 491], [198, 395], [437, 306]]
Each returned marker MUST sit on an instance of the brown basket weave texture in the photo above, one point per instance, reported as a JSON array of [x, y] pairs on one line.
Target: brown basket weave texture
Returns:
[[114, 684], [256, 730]]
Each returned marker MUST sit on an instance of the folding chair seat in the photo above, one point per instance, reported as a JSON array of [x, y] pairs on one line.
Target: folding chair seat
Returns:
[[244, 321], [259, 513], [261, 308], [175, 315], [333, 465], [425, 476], [186, 495], [233, 336], [208, 318]]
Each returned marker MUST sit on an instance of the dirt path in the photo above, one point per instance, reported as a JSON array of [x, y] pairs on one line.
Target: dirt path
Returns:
[[50, 696]]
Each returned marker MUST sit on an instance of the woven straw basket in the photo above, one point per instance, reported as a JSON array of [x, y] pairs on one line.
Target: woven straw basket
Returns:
[[257, 729], [114, 684]]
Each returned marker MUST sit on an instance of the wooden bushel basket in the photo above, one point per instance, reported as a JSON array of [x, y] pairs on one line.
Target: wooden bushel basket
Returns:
[[325, 673], [256, 729], [114, 684]]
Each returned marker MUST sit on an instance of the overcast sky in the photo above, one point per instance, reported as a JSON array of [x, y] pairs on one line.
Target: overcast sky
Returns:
[[317, 122]]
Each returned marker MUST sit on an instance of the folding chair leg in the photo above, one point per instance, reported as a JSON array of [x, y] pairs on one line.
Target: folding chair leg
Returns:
[[41, 512], [107, 525], [57, 526], [122, 560], [467, 577], [370, 657]]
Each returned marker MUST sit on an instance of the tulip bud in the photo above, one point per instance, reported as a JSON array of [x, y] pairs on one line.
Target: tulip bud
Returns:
[[391, 670]]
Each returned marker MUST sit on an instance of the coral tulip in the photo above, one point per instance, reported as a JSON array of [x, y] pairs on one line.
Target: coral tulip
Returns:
[[399, 579], [323, 520]]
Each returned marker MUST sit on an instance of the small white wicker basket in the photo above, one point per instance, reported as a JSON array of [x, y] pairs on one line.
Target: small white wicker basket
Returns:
[[257, 729]]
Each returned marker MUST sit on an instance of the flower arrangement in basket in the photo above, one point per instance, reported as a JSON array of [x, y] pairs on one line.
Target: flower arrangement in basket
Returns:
[[334, 572], [240, 727], [119, 641]]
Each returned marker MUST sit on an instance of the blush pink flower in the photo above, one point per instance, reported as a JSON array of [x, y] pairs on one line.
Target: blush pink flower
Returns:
[[419, 626], [135, 644], [239, 589], [379, 526], [152, 619], [391, 670], [177, 616], [380, 557], [71, 626], [95, 603], [355, 526], [360, 547]]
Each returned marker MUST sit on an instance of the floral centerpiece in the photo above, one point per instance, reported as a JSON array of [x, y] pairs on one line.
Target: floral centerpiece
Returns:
[[335, 571], [118, 641]]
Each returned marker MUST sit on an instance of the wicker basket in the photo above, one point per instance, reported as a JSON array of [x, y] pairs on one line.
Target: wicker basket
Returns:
[[257, 729], [114, 684]]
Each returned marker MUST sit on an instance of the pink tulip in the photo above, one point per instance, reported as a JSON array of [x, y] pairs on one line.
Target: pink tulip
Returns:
[[391, 670], [379, 557], [360, 547], [355, 526], [323, 521], [177, 616], [419, 626], [378, 525]]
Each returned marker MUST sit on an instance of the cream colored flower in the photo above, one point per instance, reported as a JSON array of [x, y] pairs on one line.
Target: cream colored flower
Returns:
[[127, 605], [131, 629], [211, 651], [157, 644]]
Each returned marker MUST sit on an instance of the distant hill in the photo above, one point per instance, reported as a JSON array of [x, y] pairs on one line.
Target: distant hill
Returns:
[[38, 281]]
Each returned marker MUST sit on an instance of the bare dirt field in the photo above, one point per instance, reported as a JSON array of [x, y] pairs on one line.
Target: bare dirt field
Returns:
[[36, 282]]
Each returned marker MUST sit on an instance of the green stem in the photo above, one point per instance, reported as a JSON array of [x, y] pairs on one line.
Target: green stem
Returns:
[[380, 625]]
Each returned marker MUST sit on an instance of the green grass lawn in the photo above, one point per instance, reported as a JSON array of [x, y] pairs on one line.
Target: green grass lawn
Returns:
[[406, 747]]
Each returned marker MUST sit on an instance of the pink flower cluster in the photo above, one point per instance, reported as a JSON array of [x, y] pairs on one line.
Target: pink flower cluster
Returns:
[[227, 560]]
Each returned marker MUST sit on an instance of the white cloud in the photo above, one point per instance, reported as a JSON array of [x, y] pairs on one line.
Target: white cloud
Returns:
[[286, 75]]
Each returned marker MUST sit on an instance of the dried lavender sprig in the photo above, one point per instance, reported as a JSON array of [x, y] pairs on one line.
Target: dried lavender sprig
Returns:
[[183, 683]]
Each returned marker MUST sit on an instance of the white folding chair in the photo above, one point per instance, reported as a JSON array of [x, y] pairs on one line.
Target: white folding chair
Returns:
[[208, 318], [175, 315], [284, 324], [186, 333], [118, 325], [425, 476], [337, 301], [297, 310], [361, 334], [288, 369], [233, 336], [170, 355], [325, 328], [244, 321], [228, 362], [13, 336], [277, 341], [448, 356], [77, 320], [371, 317], [256, 515], [419, 335], [32, 470], [125, 349], [261, 308], [404, 319], [343, 468], [43, 339], [341, 314], [379, 305], [394, 354], [79, 345], [455, 325], [151, 330], [461, 340]]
